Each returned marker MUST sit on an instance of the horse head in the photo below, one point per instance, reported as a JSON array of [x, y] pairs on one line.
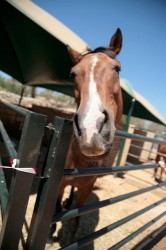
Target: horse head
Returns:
[[98, 95]]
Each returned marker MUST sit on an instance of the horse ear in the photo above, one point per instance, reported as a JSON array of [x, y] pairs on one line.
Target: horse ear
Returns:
[[74, 55], [116, 42]]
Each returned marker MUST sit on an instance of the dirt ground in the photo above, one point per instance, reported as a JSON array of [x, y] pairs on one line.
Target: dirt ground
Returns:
[[107, 187]]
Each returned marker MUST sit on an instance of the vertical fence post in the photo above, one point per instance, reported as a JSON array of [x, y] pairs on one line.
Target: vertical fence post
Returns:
[[125, 128], [3, 191], [21, 184], [22, 93], [40, 224]]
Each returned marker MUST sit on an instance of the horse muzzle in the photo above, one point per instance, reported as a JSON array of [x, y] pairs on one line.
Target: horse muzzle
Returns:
[[96, 138]]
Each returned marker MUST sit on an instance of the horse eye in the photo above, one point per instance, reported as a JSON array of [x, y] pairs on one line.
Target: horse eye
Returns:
[[72, 75], [117, 69]]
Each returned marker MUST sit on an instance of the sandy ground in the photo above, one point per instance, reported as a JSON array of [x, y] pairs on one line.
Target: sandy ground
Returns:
[[107, 187]]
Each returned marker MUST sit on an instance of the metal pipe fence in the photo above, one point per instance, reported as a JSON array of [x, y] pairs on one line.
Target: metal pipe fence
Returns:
[[90, 208], [151, 237], [137, 232], [65, 215], [17, 109], [4, 195], [53, 171], [124, 134], [15, 207], [147, 150], [106, 170], [86, 240], [7, 141]]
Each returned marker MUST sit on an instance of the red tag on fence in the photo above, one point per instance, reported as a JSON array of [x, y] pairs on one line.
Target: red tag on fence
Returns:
[[15, 162]]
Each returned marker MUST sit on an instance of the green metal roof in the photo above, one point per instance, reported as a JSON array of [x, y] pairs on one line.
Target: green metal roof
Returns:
[[143, 108], [33, 44], [33, 51]]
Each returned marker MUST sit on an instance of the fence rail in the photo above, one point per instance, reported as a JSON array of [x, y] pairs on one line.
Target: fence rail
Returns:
[[94, 206], [106, 170], [124, 134], [137, 232], [86, 240], [8, 143], [147, 150]]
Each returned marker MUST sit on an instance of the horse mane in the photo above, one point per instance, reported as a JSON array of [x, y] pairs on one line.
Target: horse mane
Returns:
[[108, 51]]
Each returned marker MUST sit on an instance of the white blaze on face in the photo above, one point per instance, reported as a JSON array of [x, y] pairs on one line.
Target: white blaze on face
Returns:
[[93, 112]]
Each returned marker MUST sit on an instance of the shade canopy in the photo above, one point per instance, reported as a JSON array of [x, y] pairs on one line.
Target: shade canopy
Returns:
[[33, 50], [142, 108], [33, 44]]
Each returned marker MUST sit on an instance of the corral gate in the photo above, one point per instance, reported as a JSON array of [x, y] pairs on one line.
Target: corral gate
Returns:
[[14, 201]]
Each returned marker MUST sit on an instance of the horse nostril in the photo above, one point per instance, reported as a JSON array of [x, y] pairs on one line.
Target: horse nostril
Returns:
[[106, 116], [104, 121], [77, 124]]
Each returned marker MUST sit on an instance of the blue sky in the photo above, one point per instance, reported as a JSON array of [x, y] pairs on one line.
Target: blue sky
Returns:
[[143, 24]]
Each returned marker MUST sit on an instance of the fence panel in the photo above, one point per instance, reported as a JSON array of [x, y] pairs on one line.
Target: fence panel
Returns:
[[14, 210], [47, 201], [86, 240], [90, 208], [21, 184]]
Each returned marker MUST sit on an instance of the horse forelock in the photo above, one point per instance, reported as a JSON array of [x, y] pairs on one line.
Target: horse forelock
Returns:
[[108, 51]]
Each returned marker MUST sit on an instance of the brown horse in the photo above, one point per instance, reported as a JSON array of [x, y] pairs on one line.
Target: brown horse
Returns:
[[161, 159], [99, 109]]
